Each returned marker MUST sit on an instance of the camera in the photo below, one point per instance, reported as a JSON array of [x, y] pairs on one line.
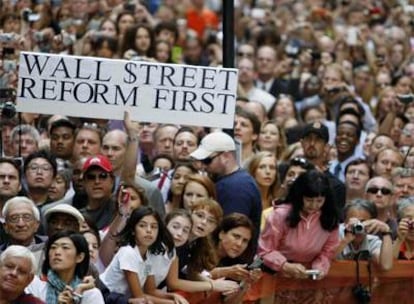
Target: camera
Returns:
[[130, 7], [292, 49], [313, 273], [67, 39], [334, 90], [358, 228], [29, 16], [361, 294]]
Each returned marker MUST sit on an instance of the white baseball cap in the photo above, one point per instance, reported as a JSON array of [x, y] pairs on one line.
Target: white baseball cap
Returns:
[[212, 143]]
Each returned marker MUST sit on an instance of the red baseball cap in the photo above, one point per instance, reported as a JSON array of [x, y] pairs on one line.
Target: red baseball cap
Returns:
[[99, 161]]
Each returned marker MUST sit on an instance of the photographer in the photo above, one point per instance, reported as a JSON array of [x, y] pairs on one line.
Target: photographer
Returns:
[[358, 234], [404, 244]]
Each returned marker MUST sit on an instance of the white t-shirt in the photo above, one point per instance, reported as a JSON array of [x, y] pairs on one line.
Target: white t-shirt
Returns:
[[127, 258], [38, 288], [162, 264]]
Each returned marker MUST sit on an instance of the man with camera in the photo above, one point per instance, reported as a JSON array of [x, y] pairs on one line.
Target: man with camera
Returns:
[[359, 240], [379, 191]]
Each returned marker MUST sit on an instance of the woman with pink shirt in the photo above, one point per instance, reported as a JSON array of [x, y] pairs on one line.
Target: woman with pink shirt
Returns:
[[302, 234]]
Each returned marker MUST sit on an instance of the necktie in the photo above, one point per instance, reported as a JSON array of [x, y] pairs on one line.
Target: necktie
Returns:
[[264, 87], [337, 170]]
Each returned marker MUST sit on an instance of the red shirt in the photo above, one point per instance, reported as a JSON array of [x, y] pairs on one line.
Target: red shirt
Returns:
[[200, 21]]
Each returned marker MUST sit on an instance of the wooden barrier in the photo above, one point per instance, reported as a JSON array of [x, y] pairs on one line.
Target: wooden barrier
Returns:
[[395, 286]]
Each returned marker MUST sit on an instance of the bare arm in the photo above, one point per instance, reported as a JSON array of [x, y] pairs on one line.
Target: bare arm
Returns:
[[133, 284], [109, 243], [159, 296], [175, 283], [130, 163]]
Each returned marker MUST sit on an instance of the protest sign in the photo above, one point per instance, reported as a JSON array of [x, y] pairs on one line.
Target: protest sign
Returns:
[[104, 88]]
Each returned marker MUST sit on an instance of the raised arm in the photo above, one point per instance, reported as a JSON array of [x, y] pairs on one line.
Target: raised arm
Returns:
[[131, 158]]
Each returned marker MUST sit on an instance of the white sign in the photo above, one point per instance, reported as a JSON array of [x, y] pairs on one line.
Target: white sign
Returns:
[[104, 88]]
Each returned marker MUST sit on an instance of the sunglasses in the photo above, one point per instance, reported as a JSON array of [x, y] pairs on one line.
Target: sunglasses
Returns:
[[100, 176], [207, 161], [374, 190]]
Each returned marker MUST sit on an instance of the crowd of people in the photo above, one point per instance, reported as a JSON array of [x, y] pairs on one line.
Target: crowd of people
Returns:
[[319, 165]]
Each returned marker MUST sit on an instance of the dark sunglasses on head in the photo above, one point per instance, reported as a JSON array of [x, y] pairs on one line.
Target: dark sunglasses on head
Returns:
[[90, 176], [384, 191], [301, 162]]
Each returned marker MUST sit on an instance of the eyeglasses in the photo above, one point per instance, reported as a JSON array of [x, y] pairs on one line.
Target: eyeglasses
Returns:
[[15, 218], [384, 191], [100, 176], [35, 167], [207, 161], [202, 216]]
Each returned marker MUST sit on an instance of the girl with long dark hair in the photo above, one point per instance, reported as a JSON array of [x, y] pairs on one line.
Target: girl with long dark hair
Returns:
[[302, 234]]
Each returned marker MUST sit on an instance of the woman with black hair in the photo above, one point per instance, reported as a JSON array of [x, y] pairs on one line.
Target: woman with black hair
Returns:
[[147, 250], [302, 234], [64, 272]]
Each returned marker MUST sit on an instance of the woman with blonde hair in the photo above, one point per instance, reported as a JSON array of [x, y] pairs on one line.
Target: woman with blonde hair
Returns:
[[263, 168], [272, 138]]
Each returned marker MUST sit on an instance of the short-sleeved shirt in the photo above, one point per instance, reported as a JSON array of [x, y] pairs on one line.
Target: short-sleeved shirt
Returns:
[[371, 243], [127, 258]]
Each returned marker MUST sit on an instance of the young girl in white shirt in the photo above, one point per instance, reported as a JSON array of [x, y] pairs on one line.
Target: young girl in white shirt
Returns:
[[143, 240]]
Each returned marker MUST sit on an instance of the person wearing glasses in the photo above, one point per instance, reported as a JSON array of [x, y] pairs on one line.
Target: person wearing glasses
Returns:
[[98, 182], [236, 189], [379, 190], [22, 220], [359, 235], [40, 169]]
